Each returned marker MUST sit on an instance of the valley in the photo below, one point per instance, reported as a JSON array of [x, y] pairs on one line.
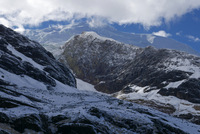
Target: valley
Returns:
[[39, 94]]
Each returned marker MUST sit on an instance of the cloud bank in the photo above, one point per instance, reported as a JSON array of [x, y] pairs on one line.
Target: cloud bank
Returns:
[[149, 13]]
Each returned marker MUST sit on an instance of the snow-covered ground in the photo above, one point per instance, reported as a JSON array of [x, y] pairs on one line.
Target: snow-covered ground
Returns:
[[65, 100], [184, 65], [82, 85], [181, 106], [24, 58], [94, 35]]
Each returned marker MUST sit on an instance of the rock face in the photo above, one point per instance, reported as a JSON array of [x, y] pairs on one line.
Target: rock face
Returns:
[[98, 61], [38, 95], [21, 56], [112, 66], [148, 72]]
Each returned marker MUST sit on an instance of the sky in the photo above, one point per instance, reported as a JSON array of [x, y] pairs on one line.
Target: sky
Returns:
[[176, 19]]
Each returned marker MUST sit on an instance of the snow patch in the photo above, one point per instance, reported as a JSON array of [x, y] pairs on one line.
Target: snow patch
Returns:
[[182, 106], [60, 87], [19, 111], [183, 65], [150, 38], [174, 84], [96, 36], [24, 58], [82, 85], [21, 80]]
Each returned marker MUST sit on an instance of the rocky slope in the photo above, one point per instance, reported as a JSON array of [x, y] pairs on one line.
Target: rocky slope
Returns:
[[24, 57], [52, 38], [162, 78], [38, 95]]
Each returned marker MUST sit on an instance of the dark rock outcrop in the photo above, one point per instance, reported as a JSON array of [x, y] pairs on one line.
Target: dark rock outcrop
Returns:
[[112, 66], [22, 56], [189, 90]]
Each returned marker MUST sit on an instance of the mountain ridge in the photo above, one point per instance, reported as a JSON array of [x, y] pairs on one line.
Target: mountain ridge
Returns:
[[36, 100], [53, 38], [114, 67]]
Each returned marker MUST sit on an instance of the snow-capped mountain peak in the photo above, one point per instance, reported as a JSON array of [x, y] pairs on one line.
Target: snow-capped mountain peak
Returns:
[[52, 39], [93, 35]]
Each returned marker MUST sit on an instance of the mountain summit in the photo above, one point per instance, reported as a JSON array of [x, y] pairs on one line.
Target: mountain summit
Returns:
[[164, 77]]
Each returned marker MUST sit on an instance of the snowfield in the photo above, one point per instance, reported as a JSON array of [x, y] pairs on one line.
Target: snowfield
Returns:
[[65, 100]]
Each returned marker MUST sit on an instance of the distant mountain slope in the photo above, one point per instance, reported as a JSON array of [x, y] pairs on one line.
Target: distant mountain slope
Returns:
[[37, 95], [53, 38], [135, 73]]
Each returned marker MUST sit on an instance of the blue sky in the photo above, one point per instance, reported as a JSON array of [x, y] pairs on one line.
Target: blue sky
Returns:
[[185, 29], [177, 19]]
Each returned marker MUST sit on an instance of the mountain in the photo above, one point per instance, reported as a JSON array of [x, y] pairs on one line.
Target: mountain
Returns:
[[52, 38], [30, 60], [167, 80], [38, 95]]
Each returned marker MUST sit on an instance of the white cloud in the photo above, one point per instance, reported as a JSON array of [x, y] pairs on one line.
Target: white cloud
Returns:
[[161, 33], [5, 22], [96, 22], [19, 29], [192, 38], [178, 33], [146, 12]]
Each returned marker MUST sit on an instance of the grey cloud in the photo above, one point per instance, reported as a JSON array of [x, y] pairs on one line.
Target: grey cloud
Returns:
[[146, 12]]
